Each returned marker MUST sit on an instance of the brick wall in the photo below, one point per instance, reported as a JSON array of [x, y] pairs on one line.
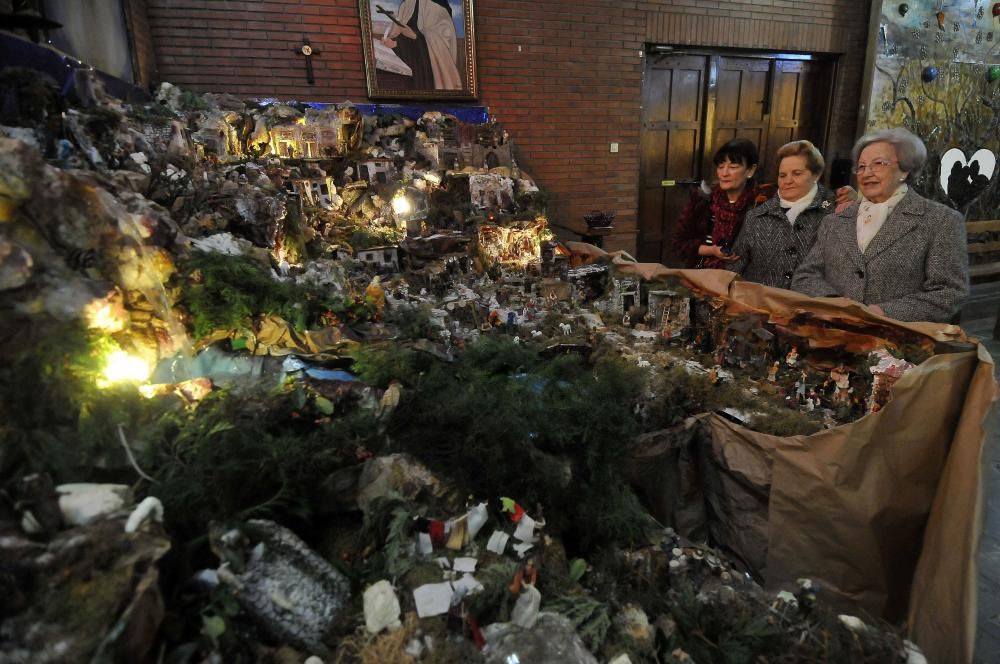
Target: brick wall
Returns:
[[563, 77]]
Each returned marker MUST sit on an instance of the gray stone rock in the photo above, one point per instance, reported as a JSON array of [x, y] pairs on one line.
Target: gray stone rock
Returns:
[[551, 641], [292, 593]]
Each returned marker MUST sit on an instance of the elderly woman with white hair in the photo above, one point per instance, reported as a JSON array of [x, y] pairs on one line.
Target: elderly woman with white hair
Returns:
[[900, 254]]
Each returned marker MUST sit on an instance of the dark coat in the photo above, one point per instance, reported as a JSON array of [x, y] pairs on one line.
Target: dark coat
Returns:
[[916, 267], [770, 248]]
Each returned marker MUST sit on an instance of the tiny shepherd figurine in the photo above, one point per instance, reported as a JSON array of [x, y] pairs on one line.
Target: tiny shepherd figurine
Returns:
[[772, 373], [842, 381], [800, 386], [793, 357]]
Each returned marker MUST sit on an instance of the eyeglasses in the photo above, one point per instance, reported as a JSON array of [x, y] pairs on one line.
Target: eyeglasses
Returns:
[[876, 166]]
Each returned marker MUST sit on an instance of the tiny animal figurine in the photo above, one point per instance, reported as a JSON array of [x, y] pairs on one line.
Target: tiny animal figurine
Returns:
[[566, 329]]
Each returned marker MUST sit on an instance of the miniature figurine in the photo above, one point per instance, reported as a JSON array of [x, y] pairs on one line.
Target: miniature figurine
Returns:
[[713, 375], [375, 294], [626, 319], [842, 381], [800, 386], [772, 373], [566, 329], [793, 357], [511, 322], [527, 574]]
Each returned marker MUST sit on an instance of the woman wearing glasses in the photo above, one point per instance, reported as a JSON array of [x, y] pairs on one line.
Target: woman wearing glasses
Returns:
[[895, 251], [777, 235]]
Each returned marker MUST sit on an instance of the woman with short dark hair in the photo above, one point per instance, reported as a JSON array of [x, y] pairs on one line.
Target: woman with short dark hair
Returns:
[[778, 234], [895, 251], [708, 225]]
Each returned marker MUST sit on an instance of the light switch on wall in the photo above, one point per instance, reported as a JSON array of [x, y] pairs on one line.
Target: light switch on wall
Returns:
[[614, 147]]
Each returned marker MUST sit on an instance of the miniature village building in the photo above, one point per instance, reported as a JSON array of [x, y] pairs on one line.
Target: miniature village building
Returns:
[[382, 258], [376, 170]]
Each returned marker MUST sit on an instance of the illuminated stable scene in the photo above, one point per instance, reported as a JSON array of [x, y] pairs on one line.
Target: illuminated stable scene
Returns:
[[325, 337]]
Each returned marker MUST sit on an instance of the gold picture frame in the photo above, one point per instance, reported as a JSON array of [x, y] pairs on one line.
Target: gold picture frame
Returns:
[[419, 49]]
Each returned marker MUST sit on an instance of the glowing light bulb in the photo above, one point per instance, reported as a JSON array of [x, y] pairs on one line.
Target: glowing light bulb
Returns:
[[122, 367], [103, 315], [401, 205]]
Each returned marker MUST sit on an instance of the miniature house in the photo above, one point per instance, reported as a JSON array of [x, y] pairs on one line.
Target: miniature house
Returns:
[[382, 258], [624, 295], [304, 141], [376, 170], [316, 192], [670, 313]]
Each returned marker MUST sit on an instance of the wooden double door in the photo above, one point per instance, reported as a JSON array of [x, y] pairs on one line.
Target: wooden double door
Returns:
[[693, 103]]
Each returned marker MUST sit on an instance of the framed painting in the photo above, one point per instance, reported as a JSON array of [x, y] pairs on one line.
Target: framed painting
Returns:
[[419, 49]]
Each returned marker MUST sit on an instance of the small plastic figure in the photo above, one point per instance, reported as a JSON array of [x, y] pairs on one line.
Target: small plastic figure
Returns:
[[626, 319], [772, 373], [511, 322], [375, 294], [526, 574], [842, 381], [713, 375], [793, 357], [800, 386]]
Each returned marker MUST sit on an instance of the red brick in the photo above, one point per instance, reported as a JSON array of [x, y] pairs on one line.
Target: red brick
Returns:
[[574, 87]]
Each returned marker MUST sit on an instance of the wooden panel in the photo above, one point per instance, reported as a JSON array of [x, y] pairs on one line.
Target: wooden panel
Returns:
[[984, 226], [670, 145], [739, 103]]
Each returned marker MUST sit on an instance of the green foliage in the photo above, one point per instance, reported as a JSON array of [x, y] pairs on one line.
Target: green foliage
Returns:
[[366, 237], [248, 456], [53, 417], [378, 364], [189, 100], [590, 618], [748, 630], [389, 522], [554, 433], [494, 602], [680, 394], [226, 292]]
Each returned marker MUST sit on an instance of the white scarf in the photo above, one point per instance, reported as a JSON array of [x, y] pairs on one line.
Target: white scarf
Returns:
[[871, 216], [794, 208]]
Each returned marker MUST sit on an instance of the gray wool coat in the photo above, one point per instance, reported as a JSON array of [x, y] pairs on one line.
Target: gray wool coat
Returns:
[[916, 267], [770, 248]]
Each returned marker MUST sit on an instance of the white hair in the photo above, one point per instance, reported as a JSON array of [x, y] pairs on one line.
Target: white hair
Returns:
[[910, 150]]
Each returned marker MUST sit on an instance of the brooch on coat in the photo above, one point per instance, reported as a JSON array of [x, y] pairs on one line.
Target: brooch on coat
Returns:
[[825, 204]]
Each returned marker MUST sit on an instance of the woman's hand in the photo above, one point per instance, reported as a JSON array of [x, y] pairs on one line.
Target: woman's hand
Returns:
[[845, 196], [391, 43], [715, 251]]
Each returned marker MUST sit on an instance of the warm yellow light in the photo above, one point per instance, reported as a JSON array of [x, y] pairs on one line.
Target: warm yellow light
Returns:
[[402, 205], [432, 177], [103, 315], [122, 367]]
